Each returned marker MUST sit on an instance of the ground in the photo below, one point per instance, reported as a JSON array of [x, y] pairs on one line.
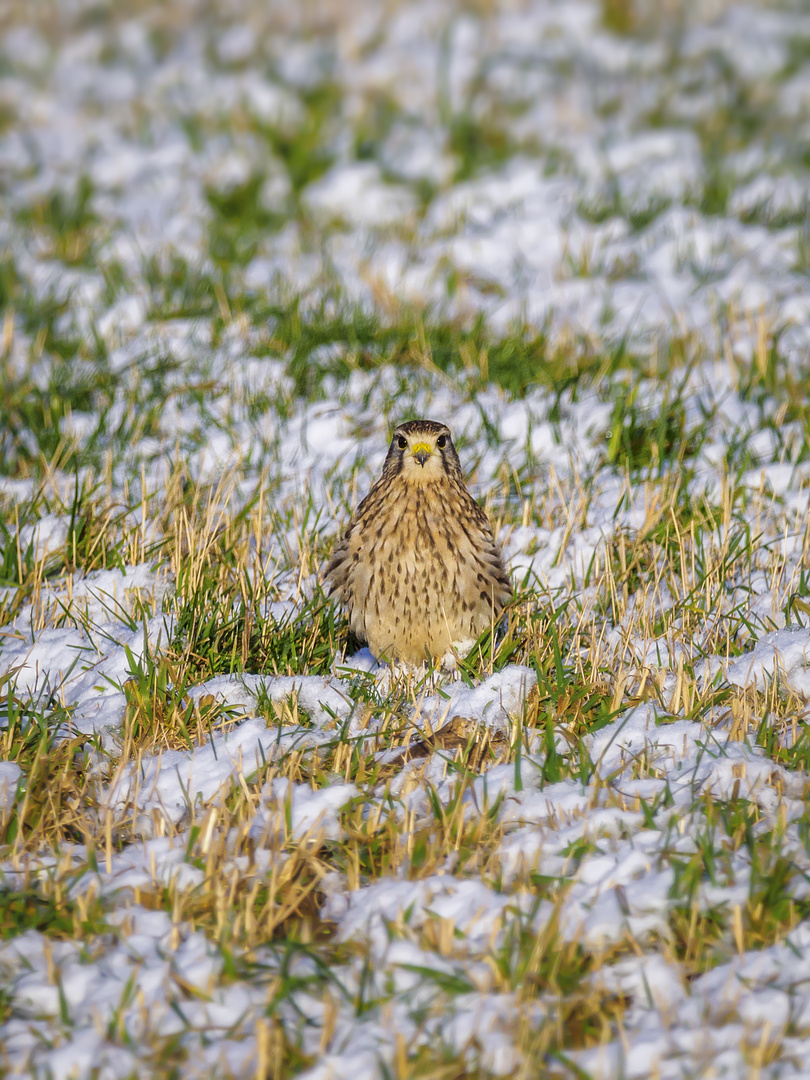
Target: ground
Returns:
[[240, 242]]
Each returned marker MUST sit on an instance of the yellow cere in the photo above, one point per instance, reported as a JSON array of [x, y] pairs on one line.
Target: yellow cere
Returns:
[[421, 448]]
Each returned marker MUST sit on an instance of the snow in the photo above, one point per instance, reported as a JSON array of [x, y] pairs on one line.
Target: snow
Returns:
[[493, 702], [783, 652], [636, 199], [10, 776], [358, 194]]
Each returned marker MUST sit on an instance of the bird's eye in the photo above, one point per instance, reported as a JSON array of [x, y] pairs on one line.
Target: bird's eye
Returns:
[[441, 442], [402, 442]]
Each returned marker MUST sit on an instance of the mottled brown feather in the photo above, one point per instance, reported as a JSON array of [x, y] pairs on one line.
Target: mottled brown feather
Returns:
[[418, 569]]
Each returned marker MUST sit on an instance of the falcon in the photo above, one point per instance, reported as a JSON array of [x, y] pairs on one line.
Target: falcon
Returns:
[[418, 569]]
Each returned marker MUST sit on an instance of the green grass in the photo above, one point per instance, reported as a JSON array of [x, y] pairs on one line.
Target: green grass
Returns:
[[663, 568], [66, 220]]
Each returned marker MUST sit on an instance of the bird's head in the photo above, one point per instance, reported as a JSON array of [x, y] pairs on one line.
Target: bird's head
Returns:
[[422, 451]]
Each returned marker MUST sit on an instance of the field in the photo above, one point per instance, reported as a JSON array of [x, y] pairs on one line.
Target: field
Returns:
[[239, 243]]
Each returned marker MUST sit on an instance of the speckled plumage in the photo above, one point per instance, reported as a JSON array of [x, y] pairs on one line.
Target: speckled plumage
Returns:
[[418, 569]]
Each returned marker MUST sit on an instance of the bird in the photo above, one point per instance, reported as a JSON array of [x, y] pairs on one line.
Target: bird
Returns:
[[418, 569]]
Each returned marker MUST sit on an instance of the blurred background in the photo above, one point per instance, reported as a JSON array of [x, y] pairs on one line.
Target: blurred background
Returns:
[[522, 191]]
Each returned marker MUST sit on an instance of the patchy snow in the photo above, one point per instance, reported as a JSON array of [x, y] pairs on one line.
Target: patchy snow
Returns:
[[179, 193]]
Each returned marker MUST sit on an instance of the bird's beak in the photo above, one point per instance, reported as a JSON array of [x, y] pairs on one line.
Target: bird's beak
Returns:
[[421, 453]]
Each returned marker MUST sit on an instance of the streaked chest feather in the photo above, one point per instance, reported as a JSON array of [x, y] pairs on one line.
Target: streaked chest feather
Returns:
[[413, 527]]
